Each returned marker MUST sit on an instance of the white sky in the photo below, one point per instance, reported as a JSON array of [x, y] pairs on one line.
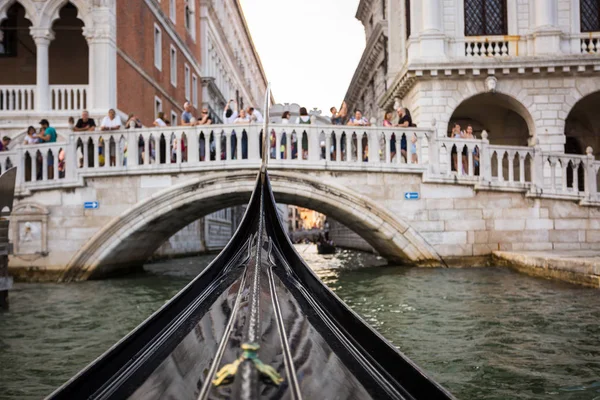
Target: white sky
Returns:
[[309, 48]]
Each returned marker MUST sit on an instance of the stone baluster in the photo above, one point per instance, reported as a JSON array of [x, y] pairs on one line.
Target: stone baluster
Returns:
[[359, 147], [44, 165], [147, 157], [511, 166], [522, 158], [419, 144], [55, 154], [553, 163], [564, 168], [399, 159], [228, 155], [34, 166], [388, 146], [217, 138], [85, 143], [537, 172], [278, 134], [97, 153], [434, 152], [471, 167], [239, 136], [576, 178], [288, 145], [253, 133], [328, 146], [373, 140], [132, 148], [459, 166], [119, 149], [591, 187], [314, 144], [499, 159]]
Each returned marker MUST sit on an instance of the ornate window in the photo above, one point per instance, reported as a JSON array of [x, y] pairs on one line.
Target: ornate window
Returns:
[[485, 17], [590, 15]]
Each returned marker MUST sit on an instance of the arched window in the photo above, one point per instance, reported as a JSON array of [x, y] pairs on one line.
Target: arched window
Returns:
[[590, 15], [485, 17]]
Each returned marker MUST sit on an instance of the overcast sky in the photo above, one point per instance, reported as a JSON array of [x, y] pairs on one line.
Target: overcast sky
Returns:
[[309, 48]]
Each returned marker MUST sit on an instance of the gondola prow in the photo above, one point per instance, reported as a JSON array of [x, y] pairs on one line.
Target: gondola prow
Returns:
[[265, 134]]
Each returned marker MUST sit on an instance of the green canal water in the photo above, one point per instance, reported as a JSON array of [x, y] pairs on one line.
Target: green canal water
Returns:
[[485, 333]]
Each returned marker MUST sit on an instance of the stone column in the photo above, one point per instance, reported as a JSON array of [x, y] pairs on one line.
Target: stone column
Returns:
[[42, 39], [431, 33], [102, 85], [546, 34]]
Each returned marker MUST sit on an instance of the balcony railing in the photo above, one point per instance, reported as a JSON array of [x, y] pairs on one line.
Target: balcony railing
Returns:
[[590, 43], [17, 98], [62, 98], [491, 46], [170, 150]]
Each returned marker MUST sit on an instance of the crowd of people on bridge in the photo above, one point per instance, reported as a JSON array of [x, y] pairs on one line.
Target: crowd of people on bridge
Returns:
[[236, 114]]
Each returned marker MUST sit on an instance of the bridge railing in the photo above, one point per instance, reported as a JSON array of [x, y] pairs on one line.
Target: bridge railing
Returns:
[[173, 149]]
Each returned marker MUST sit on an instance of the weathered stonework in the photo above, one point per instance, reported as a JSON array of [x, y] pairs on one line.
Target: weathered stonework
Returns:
[[448, 224]]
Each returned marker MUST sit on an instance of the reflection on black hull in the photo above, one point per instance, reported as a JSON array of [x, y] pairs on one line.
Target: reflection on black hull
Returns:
[[257, 323]]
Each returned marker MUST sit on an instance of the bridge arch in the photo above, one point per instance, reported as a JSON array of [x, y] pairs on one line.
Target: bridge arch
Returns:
[[129, 240]]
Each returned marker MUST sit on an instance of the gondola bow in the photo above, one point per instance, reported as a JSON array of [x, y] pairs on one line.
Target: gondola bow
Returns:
[[256, 323]]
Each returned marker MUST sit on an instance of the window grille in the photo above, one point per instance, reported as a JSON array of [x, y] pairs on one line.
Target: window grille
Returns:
[[590, 15], [485, 17]]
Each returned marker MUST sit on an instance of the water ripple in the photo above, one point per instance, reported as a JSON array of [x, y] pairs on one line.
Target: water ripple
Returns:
[[484, 333]]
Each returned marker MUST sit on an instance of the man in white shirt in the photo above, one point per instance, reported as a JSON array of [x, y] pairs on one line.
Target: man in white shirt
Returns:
[[111, 122], [254, 115]]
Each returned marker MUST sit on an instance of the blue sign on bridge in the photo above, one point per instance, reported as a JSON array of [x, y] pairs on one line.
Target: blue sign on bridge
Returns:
[[91, 205], [411, 195]]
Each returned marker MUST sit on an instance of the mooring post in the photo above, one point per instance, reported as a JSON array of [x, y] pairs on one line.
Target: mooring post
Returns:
[[7, 192]]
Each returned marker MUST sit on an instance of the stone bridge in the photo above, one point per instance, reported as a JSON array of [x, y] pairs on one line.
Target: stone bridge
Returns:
[[150, 183]]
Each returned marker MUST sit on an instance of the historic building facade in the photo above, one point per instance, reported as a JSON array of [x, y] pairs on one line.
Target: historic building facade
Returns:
[[137, 56], [231, 68], [59, 57], [525, 71]]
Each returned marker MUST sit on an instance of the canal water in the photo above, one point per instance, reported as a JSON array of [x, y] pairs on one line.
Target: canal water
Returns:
[[485, 333]]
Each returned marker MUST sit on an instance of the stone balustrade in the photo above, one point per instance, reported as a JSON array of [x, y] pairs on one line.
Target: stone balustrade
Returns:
[[167, 150], [16, 99]]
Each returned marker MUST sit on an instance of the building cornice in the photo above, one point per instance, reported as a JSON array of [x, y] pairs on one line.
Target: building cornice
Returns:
[[366, 67], [362, 12], [508, 67]]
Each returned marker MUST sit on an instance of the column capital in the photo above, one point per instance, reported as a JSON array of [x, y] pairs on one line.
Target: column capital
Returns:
[[42, 36]]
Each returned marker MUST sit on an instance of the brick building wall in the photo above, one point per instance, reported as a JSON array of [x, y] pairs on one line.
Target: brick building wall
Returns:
[[138, 77]]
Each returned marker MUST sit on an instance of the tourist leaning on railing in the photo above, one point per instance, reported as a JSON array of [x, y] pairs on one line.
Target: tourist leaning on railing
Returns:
[[133, 122], [112, 122], [85, 123], [4, 143], [30, 136], [358, 120], [186, 115]]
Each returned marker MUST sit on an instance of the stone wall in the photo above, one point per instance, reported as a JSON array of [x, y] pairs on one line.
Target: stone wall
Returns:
[[346, 238], [544, 101], [137, 214], [188, 241]]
